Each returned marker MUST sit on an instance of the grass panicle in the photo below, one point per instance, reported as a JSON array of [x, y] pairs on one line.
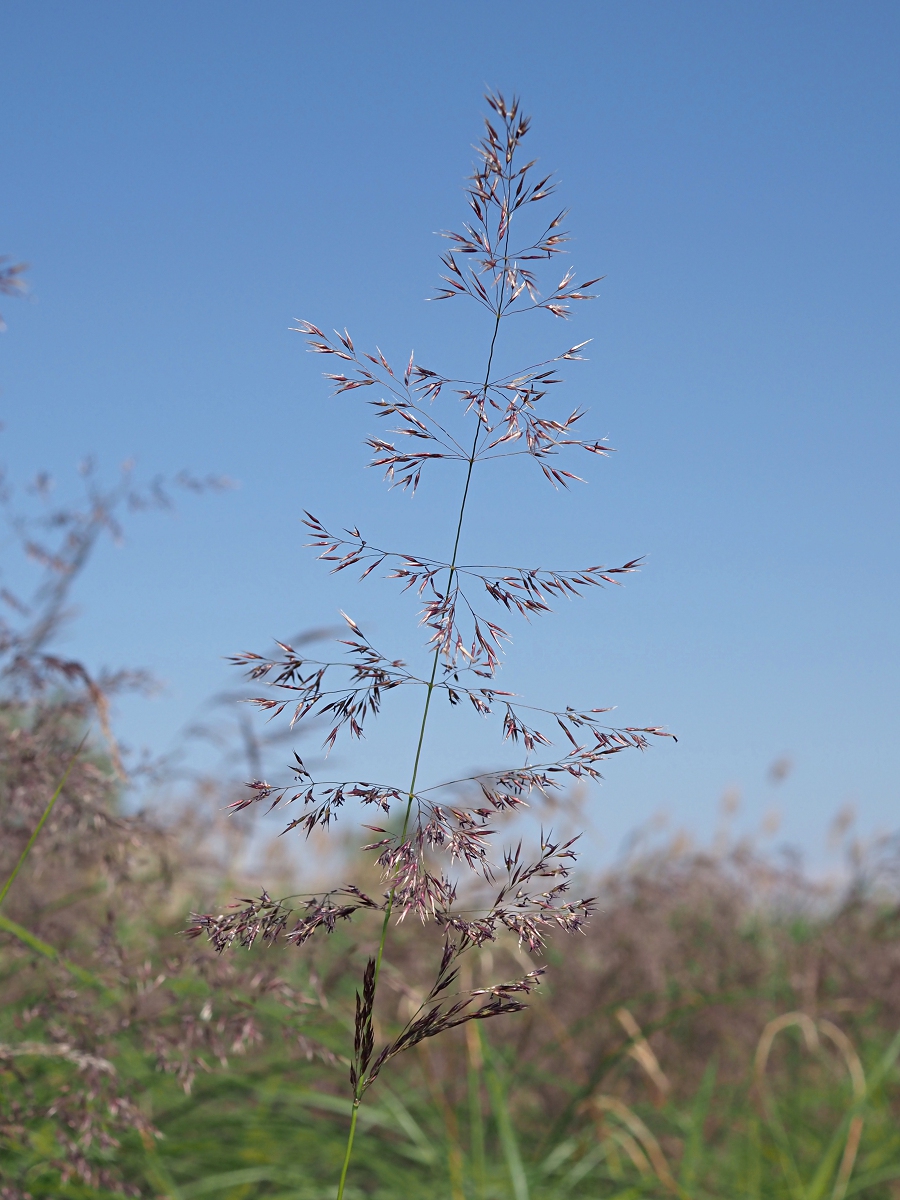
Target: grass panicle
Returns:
[[729, 1028], [497, 260]]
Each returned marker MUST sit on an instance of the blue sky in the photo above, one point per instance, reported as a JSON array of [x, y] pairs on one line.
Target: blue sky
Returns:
[[187, 179]]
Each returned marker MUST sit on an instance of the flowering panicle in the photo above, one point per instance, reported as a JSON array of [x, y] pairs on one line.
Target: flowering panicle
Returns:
[[456, 824], [443, 1009], [267, 919]]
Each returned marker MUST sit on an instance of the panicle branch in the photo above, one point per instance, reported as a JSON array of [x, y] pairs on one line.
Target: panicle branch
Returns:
[[442, 1010], [507, 408], [266, 919], [524, 590], [305, 679]]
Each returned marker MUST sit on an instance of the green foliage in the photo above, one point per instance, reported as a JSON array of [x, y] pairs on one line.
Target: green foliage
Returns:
[[272, 1125]]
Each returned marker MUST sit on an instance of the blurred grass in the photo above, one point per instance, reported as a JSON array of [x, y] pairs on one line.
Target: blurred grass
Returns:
[[728, 1028], [273, 1125], [270, 1136]]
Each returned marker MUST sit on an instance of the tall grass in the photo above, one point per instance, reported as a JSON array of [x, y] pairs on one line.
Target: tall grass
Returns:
[[437, 844]]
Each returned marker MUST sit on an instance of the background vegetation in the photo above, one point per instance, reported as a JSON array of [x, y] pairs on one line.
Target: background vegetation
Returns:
[[726, 1027]]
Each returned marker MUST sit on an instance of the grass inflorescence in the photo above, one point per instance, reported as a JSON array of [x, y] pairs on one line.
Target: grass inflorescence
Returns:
[[725, 1027], [496, 261]]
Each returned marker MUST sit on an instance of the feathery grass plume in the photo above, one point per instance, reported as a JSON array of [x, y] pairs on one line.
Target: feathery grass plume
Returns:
[[503, 415]]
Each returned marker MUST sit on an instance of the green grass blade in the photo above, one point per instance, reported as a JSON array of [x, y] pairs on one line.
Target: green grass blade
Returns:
[[47, 951], [558, 1156], [885, 1063], [872, 1178], [230, 1179], [695, 1145], [18, 931], [784, 1150], [754, 1161], [475, 1079], [425, 1147], [585, 1165], [505, 1129], [819, 1184], [40, 825]]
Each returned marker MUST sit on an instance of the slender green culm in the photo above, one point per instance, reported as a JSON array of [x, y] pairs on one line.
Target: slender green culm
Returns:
[[348, 1152], [389, 908], [27, 938], [40, 825]]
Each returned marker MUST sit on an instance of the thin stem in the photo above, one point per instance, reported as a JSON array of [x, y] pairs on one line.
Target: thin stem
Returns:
[[434, 665], [40, 825], [360, 1086], [349, 1150], [357, 1099], [34, 943]]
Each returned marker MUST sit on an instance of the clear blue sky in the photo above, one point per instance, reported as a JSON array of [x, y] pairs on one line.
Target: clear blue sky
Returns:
[[186, 179]]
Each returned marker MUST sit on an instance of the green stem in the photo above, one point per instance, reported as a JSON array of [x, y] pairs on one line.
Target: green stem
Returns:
[[25, 936], [34, 943], [434, 665], [40, 825], [389, 908], [349, 1149]]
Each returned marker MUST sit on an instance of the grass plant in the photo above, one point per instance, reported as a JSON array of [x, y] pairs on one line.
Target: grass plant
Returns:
[[728, 1029], [494, 261]]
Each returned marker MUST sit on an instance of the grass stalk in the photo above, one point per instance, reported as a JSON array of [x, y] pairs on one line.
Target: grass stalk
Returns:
[[385, 924], [349, 1148], [507, 423], [40, 825], [47, 951], [476, 1116], [505, 1129]]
